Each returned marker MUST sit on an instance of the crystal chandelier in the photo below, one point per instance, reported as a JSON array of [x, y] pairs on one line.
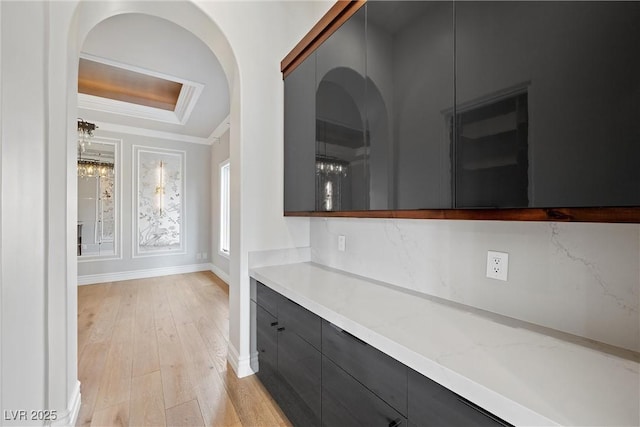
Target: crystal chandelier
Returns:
[[93, 168], [328, 166], [90, 168], [85, 133]]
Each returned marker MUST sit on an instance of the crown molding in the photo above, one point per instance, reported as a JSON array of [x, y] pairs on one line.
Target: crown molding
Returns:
[[132, 130]]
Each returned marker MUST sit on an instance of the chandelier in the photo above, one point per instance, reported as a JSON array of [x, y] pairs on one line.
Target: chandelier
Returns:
[[93, 169], [330, 166], [85, 133], [90, 168]]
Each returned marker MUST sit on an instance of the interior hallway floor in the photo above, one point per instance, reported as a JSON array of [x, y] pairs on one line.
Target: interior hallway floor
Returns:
[[153, 352]]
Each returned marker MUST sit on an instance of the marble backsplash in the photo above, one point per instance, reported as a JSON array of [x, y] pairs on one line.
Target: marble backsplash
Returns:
[[579, 278]]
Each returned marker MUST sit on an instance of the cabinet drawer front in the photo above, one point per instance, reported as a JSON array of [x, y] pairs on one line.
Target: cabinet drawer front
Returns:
[[346, 402], [267, 298], [299, 364], [301, 321], [430, 404], [379, 372]]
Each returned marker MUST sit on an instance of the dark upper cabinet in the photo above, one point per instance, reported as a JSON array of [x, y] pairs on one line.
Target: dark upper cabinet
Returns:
[[299, 137], [342, 177], [468, 104], [547, 101], [410, 65]]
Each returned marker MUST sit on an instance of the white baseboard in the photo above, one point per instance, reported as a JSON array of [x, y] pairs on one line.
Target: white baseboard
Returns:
[[241, 366], [221, 274], [142, 274], [70, 416]]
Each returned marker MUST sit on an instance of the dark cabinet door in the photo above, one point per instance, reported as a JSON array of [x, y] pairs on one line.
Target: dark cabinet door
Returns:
[[547, 100], [299, 365], [267, 346], [380, 373], [431, 405], [347, 403], [300, 321], [300, 137], [267, 298], [410, 94], [342, 181]]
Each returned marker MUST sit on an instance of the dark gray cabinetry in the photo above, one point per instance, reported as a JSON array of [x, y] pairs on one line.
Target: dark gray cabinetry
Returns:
[[430, 404], [299, 137], [289, 366], [547, 100], [267, 344], [299, 361], [322, 375], [410, 76], [378, 372], [468, 104], [301, 321], [342, 142], [346, 402]]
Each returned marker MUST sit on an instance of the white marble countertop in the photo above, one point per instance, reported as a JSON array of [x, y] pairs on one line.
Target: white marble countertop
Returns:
[[523, 375]]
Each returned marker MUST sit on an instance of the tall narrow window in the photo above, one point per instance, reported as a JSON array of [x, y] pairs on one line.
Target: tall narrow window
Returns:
[[225, 223]]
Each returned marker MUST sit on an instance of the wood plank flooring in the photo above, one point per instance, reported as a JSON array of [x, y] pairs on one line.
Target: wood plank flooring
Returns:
[[152, 352]]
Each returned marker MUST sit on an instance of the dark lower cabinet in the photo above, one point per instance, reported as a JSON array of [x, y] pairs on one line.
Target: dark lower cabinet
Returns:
[[301, 321], [267, 298], [380, 373], [267, 345], [346, 402], [299, 364], [430, 404], [322, 375]]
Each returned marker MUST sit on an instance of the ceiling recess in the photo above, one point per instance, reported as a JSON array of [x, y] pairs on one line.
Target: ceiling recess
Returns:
[[108, 81], [105, 85]]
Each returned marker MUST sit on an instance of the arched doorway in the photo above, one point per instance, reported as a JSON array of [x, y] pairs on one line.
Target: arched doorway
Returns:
[[80, 19]]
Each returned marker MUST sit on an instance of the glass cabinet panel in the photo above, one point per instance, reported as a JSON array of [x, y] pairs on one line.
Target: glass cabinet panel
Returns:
[[410, 96], [342, 146], [548, 100]]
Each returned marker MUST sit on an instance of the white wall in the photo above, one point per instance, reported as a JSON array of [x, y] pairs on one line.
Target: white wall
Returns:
[[24, 233], [219, 153], [39, 55], [256, 137], [196, 223], [579, 278]]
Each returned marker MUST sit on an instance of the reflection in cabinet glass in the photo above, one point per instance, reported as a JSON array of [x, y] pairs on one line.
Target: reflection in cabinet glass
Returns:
[[341, 144], [499, 104], [583, 100]]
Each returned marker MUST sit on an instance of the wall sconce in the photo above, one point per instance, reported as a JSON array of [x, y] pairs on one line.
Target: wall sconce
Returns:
[[160, 187]]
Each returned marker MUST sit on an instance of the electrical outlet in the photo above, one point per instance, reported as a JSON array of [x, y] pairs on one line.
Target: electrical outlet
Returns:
[[497, 265], [342, 243], [198, 255], [204, 255]]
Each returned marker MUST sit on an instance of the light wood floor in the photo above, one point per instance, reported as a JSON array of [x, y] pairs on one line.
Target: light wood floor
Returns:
[[153, 352]]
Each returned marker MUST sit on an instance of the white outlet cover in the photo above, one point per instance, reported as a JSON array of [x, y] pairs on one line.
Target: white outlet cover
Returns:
[[497, 265], [342, 243]]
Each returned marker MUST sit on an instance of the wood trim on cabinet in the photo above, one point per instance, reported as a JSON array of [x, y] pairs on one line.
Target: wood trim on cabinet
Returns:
[[622, 215], [328, 24]]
